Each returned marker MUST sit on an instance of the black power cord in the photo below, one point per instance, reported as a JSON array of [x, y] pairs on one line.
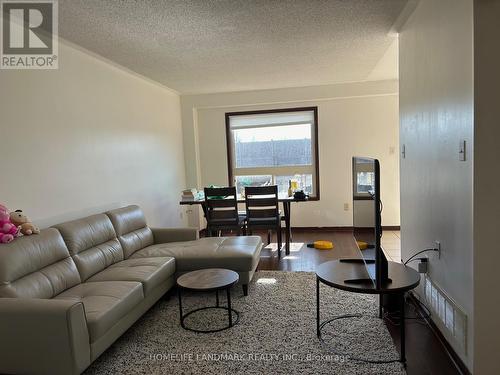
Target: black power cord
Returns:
[[393, 317], [415, 259], [418, 253]]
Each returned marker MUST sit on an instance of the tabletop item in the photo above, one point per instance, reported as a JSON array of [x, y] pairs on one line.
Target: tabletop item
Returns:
[[300, 195], [191, 195], [292, 186]]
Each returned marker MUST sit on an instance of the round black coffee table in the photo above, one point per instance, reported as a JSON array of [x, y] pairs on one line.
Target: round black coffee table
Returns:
[[339, 273], [209, 280]]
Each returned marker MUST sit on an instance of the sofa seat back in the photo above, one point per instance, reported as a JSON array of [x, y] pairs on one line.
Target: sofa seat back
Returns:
[[92, 244], [130, 226], [37, 266]]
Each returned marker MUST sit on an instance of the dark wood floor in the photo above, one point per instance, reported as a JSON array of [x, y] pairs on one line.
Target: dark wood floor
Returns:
[[425, 353]]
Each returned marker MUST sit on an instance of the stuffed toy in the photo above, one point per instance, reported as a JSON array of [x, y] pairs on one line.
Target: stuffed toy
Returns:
[[19, 219], [8, 231]]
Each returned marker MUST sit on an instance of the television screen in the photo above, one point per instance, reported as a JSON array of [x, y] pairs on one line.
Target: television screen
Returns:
[[366, 208], [363, 202]]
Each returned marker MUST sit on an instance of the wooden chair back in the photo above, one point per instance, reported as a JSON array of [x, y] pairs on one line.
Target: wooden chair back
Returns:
[[262, 205], [221, 207]]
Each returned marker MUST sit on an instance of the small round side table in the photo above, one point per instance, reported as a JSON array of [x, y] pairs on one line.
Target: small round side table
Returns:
[[209, 280]]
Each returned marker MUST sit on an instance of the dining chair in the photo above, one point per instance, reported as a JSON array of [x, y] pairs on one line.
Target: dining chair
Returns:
[[221, 211], [263, 210]]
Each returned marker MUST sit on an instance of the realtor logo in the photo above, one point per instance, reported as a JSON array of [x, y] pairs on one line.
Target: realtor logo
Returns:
[[28, 34]]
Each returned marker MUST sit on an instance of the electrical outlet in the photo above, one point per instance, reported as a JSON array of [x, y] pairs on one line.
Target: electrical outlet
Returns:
[[438, 247], [346, 206]]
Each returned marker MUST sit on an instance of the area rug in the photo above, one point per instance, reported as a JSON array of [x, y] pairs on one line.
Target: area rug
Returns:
[[276, 334]]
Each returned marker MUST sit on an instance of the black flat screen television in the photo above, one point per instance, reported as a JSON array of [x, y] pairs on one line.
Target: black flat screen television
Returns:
[[367, 216]]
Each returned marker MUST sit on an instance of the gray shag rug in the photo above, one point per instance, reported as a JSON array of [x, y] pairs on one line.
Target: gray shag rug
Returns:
[[276, 334]]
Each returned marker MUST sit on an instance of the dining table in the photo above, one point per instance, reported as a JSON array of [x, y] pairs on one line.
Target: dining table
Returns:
[[285, 200]]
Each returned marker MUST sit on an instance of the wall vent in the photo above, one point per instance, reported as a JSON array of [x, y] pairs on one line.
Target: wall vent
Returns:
[[450, 318]]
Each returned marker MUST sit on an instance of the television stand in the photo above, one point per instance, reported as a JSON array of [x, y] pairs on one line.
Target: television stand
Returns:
[[351, 276]]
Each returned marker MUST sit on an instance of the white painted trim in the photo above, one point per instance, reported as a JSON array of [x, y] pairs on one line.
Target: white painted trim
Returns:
[[292, 95], [295, 101]]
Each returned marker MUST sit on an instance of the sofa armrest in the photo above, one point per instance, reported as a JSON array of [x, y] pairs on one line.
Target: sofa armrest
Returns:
[[43, 336], [164, 235]]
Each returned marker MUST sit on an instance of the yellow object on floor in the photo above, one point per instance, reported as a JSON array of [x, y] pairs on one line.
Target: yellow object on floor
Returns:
[[323, 245], [362, 245]]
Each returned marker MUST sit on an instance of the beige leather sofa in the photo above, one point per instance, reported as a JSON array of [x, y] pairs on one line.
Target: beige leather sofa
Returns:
[[68, 293]]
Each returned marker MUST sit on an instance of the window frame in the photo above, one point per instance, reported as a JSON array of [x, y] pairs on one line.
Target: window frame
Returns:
[[229, 142]]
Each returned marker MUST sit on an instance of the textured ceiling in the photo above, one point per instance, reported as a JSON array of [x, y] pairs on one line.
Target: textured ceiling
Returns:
[[231, 45]]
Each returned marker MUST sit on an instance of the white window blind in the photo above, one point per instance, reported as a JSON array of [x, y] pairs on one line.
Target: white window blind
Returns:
[[268, 148]]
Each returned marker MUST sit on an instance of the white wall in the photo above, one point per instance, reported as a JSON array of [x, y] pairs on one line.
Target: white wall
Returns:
[[486, 180], [89, 137], [436, 112], [353, 119]]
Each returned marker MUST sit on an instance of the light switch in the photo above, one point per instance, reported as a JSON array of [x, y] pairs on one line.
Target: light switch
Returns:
[[462, 151]]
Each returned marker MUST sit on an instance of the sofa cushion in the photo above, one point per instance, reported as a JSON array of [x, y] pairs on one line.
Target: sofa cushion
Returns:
[[37, 266], [105, 303], [92, 243], [235, 253], [151, 272], [130, 226]]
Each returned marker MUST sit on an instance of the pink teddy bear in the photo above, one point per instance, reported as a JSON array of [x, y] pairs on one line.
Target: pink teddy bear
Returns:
[[8, 231]]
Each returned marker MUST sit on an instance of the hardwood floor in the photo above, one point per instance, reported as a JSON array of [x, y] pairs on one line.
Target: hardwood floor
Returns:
[[425, 353], [302, 258]]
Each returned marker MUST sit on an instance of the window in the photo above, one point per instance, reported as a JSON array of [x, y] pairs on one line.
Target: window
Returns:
[[273, 148]]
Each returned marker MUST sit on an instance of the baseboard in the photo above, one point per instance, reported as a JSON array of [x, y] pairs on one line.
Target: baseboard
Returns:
[[457, 361]]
